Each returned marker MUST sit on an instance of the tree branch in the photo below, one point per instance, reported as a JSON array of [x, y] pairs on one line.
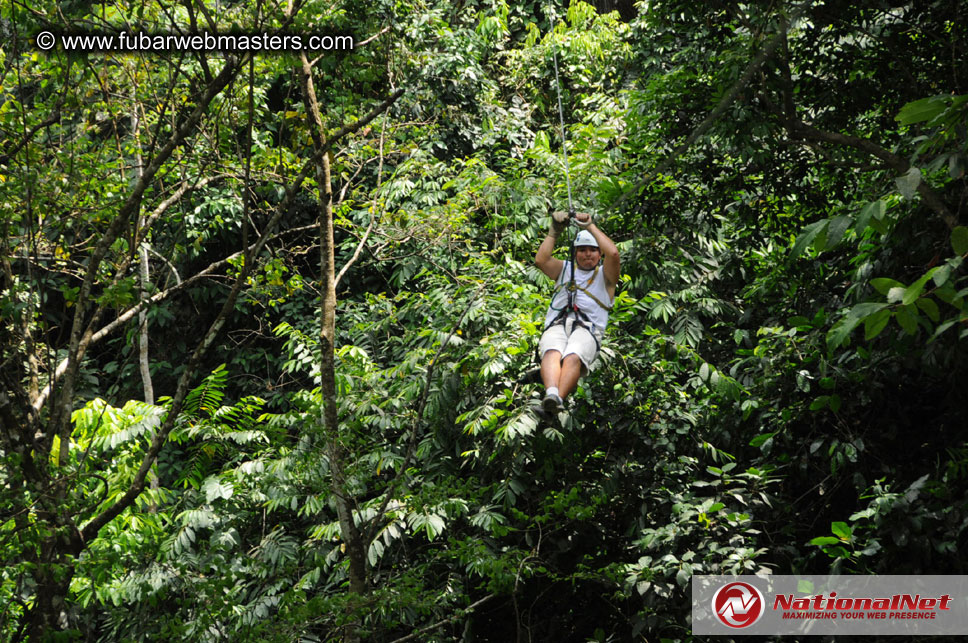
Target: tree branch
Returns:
[[713, 116], [254, 249], [60, 418], [799, 129], [369, 227], [421, 405], [91, 529], [460, 613]]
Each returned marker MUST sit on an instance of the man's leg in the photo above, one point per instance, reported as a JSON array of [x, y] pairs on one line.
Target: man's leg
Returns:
[[582, 349], [550, 374], [569, 372], [551, 368]]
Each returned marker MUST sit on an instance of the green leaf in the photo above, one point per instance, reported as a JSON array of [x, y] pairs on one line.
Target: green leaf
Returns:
[[919, 111], [541, 141], [907, 317], [875, 323], [908, 184], [875, 209], [941, 275], [912, 292], [930, 309], [880, 226], [949, 295], [748, 406], [835, 403], [841, 529], [959, 240], [883, 285], [837, 552], [761, 438], [682, 578], [825, 540], [955, 170], [820, 243], [214, 489], [835, 232], [704, 372], [807, 237], [820, 403], [942, 328], [842, 329], [866, 309]]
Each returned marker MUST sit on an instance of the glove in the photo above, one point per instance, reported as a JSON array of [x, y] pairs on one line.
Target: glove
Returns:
[[559, 221], [583, 219]]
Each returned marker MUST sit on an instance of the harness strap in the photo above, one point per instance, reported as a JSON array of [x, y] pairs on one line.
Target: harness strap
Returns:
[[573, 286], [592, 297], [581, 319]]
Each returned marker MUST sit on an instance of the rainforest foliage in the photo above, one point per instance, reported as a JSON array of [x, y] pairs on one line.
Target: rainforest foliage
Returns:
[[210, 433]]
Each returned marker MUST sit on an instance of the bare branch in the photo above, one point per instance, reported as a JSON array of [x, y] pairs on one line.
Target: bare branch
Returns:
[[357, 45], [462, 612], [91, 529], [369, 227], [174, 198], [893, 161], [60, 417]]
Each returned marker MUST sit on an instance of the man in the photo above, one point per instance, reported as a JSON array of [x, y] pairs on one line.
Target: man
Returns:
[[576, 319]]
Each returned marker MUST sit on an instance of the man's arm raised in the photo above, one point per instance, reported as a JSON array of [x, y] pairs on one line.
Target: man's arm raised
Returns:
[[543, 258]]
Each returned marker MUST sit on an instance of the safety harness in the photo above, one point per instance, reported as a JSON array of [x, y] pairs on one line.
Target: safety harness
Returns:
[[581, 319]]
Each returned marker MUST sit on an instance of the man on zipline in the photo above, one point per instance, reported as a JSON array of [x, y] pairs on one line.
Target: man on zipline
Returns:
[[578, 314]]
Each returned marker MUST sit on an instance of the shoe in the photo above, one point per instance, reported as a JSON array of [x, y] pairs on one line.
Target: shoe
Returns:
[[551, 403], [539, 413]]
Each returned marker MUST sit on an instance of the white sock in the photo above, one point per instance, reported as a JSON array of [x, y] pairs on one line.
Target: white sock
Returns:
[[552, 390]]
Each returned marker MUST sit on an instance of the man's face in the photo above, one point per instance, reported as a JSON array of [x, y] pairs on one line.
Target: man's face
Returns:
[[587, 257]]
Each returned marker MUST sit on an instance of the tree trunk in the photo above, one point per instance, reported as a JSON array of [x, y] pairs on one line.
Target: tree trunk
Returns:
[[55, 570], [350, 533]]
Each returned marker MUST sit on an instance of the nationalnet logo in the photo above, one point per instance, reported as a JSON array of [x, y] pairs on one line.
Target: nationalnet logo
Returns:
[[738, 604], [832, 604]]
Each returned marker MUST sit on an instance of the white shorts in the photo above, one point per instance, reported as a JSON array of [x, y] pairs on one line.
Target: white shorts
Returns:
[[567, 340]]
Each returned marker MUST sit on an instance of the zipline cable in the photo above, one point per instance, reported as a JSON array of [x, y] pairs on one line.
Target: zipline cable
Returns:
[[561, 115], [564, 151]]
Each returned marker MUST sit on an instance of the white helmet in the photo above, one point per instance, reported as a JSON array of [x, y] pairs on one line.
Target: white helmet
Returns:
[[585, 238]]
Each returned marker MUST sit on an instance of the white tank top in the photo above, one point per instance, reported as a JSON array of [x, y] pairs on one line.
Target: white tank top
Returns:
[[597, 315]]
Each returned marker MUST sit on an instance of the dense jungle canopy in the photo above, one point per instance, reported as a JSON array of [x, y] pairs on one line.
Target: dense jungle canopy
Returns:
[[267, 316]]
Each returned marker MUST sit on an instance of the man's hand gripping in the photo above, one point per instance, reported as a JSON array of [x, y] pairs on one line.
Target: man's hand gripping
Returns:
[[559, 221]]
